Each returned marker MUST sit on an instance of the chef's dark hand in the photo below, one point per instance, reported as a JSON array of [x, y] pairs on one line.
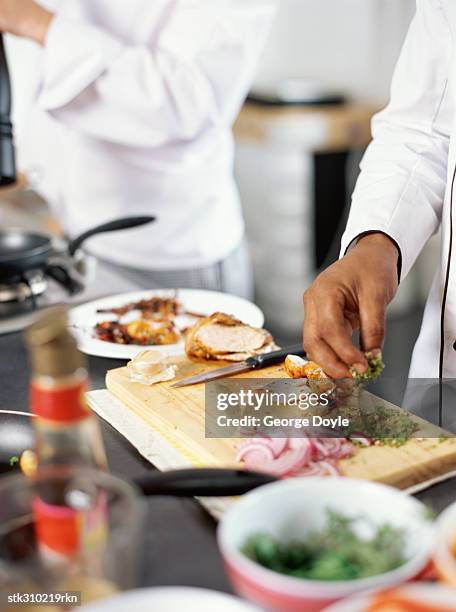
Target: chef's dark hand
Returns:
[[352, 293], [25, 18]]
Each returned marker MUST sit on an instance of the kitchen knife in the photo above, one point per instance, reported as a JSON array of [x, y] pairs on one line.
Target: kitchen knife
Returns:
[[253, 363]]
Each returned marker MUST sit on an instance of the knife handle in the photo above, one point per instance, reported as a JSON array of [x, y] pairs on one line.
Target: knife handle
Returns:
[[269, 359]]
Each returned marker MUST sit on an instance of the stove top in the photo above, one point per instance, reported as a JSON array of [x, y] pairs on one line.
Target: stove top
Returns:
[[22, 289], [38, 292], [20, 301]]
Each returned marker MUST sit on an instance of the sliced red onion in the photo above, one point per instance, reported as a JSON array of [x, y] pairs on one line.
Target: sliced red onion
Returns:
[[347, 449], [312, 469], [290, 462], [299, 442], [277, 445], [255, 461], [325, 447], [330, 468], [295, 456], [261, 451]]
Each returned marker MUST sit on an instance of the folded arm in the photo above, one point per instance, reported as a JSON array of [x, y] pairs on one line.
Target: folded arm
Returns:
[[192, 74]]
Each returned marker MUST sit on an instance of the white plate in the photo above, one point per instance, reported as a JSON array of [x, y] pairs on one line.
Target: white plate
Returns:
[[425, 594], [84, 318], [171, 599]]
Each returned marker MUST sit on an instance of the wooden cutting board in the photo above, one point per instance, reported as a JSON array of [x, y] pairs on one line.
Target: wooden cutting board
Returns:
[[178, 416]]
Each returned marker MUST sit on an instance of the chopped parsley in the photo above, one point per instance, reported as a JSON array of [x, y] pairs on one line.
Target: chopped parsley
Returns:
[[375, 368], [383, 425], [335, 553]]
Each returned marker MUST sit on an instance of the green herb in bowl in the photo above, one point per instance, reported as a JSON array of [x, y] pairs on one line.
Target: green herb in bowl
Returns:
[[335, 553]]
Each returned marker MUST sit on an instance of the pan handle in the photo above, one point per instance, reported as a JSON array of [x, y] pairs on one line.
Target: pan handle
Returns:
[[112, 226], [202, 482]]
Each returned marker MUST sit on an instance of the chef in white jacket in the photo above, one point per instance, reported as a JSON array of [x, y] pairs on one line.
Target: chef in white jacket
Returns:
[[134, 106], [405, 192]]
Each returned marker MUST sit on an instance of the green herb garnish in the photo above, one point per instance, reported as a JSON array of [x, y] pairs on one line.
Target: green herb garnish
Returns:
[[393, 442], [375, 368], [13, 461], [335, 553], [385, 426]]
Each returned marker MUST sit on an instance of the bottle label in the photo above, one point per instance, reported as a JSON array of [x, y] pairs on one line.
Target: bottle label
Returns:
[[65, 532], [57, 527], [63, 404]]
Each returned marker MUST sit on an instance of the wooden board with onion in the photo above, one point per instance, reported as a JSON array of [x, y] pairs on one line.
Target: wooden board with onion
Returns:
[[178, 416]]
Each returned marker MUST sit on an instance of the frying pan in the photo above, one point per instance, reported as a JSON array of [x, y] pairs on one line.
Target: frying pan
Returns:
[[16, 436], [21, 251]]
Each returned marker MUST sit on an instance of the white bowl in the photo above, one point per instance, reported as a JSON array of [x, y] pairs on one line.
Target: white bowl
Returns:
[[289, 509]]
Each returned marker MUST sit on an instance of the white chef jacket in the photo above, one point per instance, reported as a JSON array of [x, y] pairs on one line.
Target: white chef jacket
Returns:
[[133, 115], [406, 187]]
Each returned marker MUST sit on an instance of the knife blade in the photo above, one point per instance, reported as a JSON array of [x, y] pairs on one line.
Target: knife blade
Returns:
[[252, 363]]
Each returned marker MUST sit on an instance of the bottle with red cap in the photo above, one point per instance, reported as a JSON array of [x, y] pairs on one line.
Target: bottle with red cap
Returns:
[[66, 433]]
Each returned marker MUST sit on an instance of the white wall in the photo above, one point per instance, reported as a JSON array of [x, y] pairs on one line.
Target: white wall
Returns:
[[348, 44]]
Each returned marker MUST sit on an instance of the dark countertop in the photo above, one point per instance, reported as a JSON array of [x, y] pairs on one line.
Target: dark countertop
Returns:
[[180, 546]]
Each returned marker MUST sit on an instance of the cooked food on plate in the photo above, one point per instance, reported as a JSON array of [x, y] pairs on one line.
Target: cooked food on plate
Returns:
[[161, 321], [155, 322], [141, 332], [336, 552], [225, 338], [154, 307], [112, 331]]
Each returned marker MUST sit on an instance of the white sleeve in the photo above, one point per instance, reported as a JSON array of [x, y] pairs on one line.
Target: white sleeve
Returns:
[[194, 75], [401, 189]]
